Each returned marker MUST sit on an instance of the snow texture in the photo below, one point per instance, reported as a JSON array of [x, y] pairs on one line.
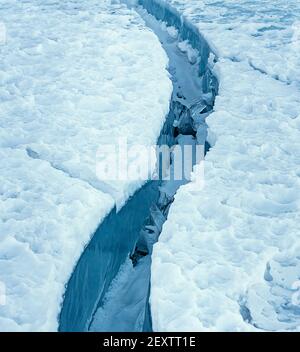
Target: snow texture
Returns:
[[228, 256], [74, 75]]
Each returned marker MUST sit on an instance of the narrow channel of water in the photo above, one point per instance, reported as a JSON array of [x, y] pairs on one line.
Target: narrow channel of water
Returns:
[[109, 288]]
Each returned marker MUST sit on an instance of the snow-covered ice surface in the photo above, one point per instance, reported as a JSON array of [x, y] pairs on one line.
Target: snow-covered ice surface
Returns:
[[228, 258], [126, 301], [74, 75]]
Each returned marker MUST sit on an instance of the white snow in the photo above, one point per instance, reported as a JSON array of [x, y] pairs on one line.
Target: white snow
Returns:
[[228, 256], [75, 75]]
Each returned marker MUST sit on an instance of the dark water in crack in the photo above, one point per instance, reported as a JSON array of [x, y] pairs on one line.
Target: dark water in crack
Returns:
[[109, 288]]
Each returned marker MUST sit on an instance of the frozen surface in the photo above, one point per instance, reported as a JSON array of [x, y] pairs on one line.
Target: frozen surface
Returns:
[[125, 302], [265, 34], [228, 256], [101, 260], [74, 75]]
